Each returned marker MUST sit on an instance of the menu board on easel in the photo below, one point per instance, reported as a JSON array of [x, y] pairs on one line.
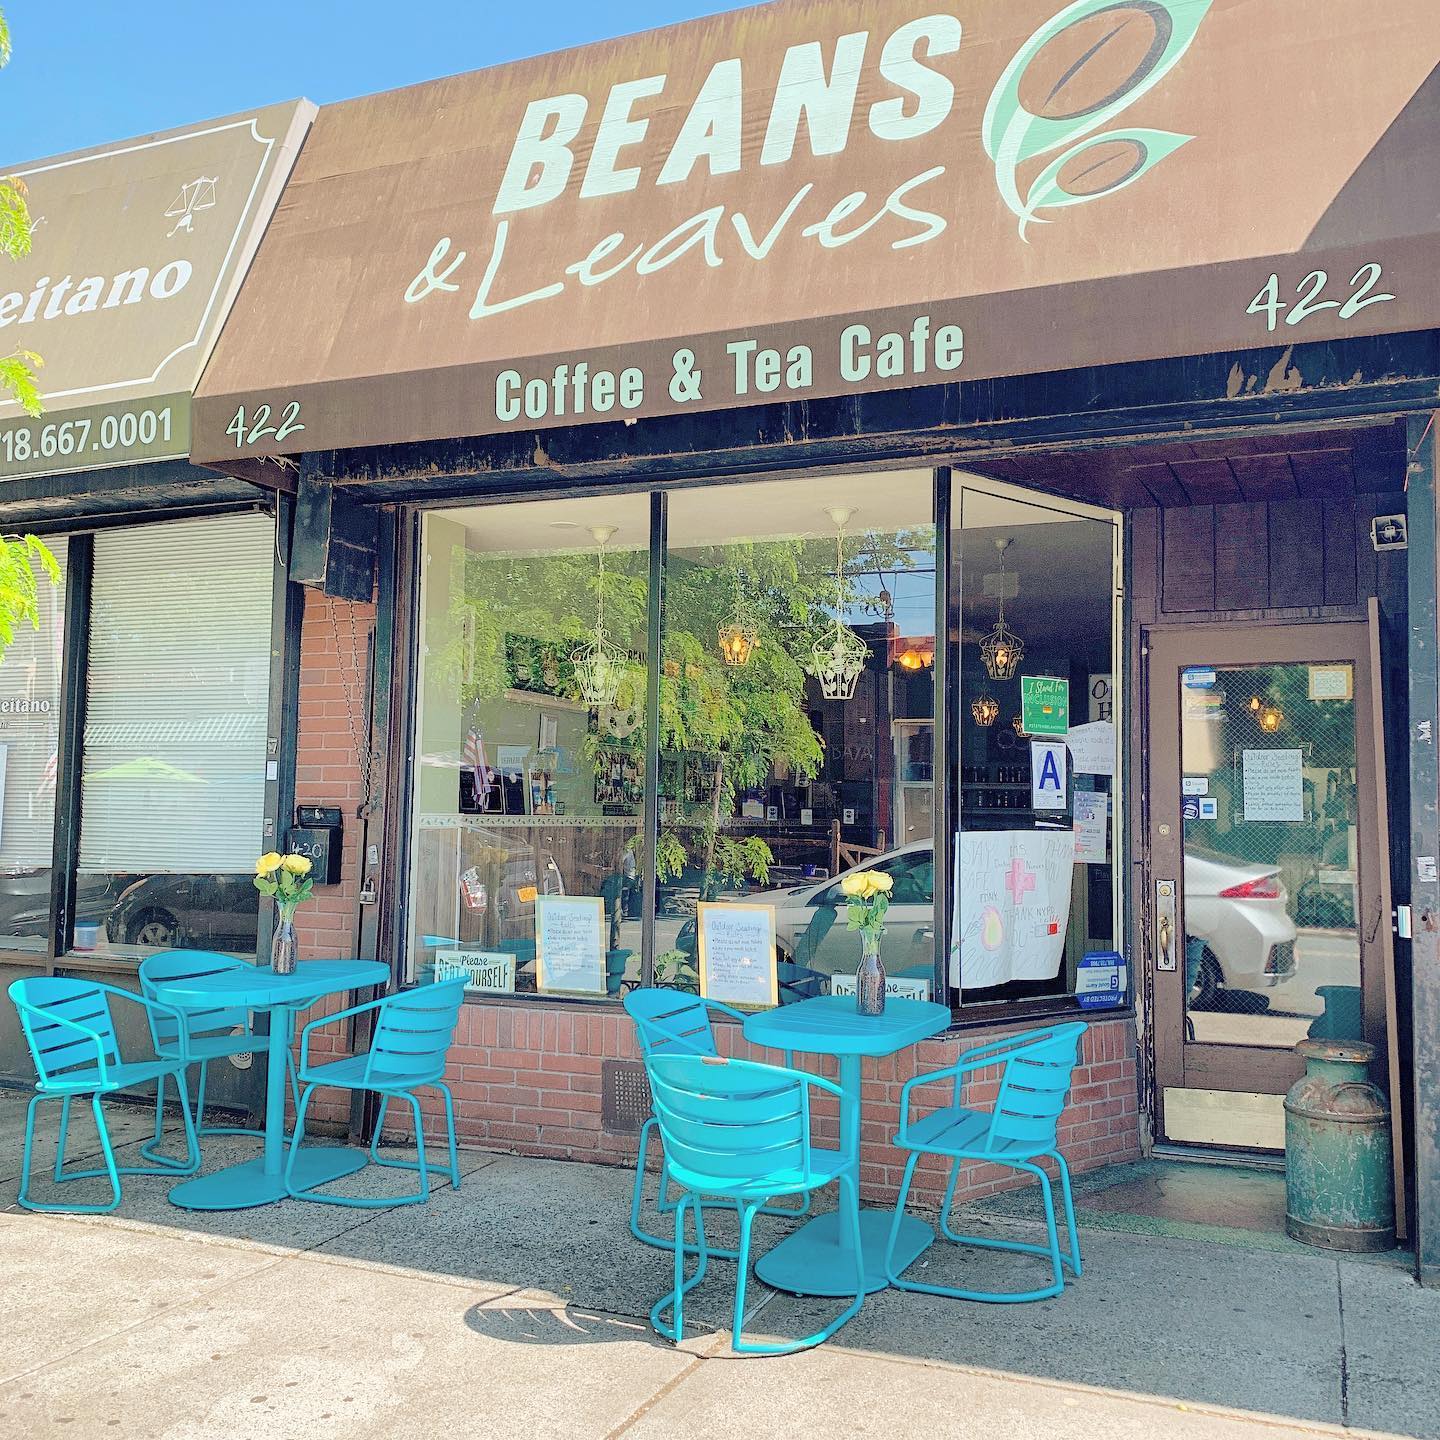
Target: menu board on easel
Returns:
[[737, 954], [570, 944]]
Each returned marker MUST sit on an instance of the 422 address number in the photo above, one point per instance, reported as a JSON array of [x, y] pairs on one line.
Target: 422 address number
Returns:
[[1363, 292], [251, 429]]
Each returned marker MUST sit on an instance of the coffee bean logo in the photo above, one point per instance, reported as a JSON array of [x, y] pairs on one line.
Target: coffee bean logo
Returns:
[[1081, 69], [1096, 61], [1102, 166]]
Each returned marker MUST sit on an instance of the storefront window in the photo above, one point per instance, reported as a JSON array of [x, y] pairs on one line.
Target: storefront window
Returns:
[[29, 734], [1033, 624], [173, 768], [530, 746], [796, 731]]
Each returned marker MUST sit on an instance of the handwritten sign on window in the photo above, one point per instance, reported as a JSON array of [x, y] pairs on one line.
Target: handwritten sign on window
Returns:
[[570, 944], [737, 954], [1274, 785]]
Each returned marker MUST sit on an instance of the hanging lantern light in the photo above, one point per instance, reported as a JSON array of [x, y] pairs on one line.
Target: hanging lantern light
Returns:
[[1002, 649], [600, 664], [1017, 724], [839, 655], [985, 711], [1271, 719], [738, 637]]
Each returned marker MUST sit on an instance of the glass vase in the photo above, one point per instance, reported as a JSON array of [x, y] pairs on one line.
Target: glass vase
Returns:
[[870, 979], [282, 947]]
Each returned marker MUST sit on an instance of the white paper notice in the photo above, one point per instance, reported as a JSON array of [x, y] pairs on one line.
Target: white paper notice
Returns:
[[737, 954], [1092, 748], [1091, 827], [570, 944], [1012, 906], [1274, 785], [1047, 774]]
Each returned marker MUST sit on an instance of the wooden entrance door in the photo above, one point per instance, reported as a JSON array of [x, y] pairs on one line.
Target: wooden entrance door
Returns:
[[1268, 867]]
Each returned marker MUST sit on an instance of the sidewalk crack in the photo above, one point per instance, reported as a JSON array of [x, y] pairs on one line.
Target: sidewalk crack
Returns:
[[1344, 1353]]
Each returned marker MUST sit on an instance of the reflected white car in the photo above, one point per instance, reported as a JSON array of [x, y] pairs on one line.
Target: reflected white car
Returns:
[[1240, 913], [830, 948]]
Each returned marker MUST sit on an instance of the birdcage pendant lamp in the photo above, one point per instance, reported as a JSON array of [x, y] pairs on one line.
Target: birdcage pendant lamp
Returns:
[[838, 656], [599, 663], [1002, 650]]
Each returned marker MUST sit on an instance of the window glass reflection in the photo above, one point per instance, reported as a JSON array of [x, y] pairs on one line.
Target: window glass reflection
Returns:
[[797, 718]]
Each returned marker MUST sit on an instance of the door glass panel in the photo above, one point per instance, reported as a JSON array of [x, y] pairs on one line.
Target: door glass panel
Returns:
[[1268, 806]]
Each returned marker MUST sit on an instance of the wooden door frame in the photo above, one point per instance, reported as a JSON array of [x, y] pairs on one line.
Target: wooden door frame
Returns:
[[1229, 1067]]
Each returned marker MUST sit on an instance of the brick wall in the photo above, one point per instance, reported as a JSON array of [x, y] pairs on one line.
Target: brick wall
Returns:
[[526, 1080], [333, 641]]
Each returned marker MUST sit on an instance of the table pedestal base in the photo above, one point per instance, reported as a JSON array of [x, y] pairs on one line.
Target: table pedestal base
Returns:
[[813, 1261], [239, 1187]]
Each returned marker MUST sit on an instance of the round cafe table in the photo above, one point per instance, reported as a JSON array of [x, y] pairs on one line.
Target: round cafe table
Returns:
[[816, 1259], [261, 1181]]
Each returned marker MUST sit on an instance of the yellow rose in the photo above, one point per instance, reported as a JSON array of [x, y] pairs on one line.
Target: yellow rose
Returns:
[[853, 885], [296, 864], [269, 864], [884, 884]]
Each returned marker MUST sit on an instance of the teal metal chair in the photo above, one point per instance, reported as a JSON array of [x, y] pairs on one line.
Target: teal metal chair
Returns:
[[71, 1034], [740, 1131], [413, 1031], [675, 1022], [1019, 1131], [213, 1034]]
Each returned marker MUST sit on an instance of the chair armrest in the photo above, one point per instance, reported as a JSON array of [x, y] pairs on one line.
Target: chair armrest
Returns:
[[92, 1036], [321, 1021], [977, 1059], [153, 1007]]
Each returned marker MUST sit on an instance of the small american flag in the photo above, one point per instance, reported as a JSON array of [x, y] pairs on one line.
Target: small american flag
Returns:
[[474, 760]]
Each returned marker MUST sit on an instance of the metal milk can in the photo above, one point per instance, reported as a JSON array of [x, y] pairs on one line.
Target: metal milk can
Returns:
[[1339, 1185]]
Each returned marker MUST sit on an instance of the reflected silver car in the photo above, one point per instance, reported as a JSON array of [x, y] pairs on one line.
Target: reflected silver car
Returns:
[[1237, 921]]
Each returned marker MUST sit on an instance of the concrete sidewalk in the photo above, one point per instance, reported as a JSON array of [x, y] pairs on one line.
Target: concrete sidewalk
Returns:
[[515, 1307]]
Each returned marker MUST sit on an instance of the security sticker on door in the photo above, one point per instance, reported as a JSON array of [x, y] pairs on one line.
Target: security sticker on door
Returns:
[[1195, 785]]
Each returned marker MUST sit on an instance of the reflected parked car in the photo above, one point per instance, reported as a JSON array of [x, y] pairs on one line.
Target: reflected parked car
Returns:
[[25, 901], [209, 912], [1240, 912]]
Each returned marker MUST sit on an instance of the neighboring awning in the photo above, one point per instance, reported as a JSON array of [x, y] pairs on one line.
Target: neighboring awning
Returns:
[[879, 196], [138, 250]]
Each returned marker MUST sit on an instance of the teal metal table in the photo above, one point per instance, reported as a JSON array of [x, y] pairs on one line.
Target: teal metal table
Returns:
[[261, 1181], [816, 1259]]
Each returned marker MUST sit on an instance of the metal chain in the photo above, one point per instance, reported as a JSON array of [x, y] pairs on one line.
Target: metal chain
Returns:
[[365, 755]]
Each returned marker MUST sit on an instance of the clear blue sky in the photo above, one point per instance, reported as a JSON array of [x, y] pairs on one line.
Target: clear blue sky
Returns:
[[89, 71]]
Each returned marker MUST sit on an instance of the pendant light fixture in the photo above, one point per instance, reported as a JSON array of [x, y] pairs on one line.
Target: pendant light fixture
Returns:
[[985, 711], [1002, 649], [599, 663], [839, 655], [738, 637]]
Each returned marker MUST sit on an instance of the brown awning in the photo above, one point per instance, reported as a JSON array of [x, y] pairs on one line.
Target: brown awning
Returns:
[[810, 199], [137, 252]]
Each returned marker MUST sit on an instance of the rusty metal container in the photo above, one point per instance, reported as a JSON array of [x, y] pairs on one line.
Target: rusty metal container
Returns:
[[1339, 1189]]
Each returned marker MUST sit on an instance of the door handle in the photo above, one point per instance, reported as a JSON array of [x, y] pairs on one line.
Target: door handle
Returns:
[[1165, 925]]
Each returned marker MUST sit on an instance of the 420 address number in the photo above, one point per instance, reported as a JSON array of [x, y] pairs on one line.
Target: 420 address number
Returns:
[[250, 428]]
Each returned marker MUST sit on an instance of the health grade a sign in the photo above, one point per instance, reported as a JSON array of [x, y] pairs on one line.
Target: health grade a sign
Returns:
[[813, 199]]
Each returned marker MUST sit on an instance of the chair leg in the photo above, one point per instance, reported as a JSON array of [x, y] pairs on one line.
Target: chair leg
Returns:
[[296, 1138], [379, 1130], [149, 1148], [420, 1147], [109, 1170], [1073, 1258], [450, 1135], [676, 1298], [1050, 1251], [849, 1208], [64, 1137], [948, 1202]]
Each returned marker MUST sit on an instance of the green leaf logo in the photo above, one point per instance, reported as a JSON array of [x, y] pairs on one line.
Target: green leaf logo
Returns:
[[1074, 74]]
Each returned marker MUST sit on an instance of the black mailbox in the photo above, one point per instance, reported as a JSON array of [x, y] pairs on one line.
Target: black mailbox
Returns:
[[318, 835]]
